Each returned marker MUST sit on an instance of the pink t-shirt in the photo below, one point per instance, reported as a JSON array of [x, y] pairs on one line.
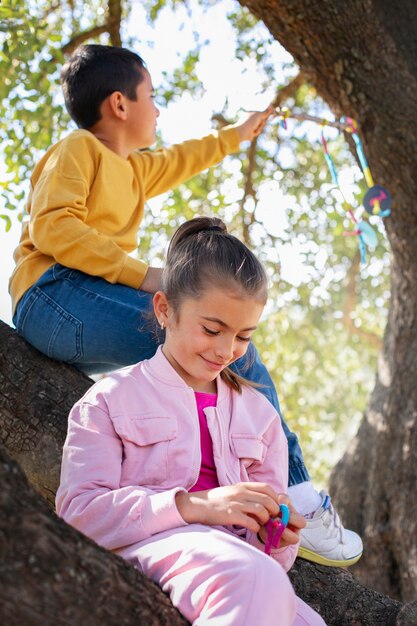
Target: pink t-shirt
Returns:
[[207, 478]]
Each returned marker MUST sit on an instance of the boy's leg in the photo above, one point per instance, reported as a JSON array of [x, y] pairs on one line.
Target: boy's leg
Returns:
[[215, 578], [85, 320], [324, 539], [251, 367]]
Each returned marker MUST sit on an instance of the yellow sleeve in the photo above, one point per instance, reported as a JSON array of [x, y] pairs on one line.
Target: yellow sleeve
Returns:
[[166, 168], [59, 222]]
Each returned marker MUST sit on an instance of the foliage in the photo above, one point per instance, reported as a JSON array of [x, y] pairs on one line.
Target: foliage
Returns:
[[322, 371], [32, 40]]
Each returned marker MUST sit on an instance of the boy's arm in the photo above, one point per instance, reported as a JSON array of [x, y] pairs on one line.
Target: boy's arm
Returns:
[[61, 225], [164, 169], [60, 231]]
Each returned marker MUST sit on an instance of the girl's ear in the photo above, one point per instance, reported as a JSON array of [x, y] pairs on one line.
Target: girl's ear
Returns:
[[161, 308]]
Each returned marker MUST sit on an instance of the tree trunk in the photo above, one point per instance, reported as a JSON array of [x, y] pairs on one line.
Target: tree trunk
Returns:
[[362, 58], [49, 572], [51, 575], [36, 397]]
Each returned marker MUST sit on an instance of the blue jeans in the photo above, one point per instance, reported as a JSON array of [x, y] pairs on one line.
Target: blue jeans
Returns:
[[96, 326]]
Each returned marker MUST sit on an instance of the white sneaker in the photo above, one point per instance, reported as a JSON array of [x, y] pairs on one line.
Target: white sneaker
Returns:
[[325, 541]]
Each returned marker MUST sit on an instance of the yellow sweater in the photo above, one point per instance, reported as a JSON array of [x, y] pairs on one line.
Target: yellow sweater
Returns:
[[86, 204]]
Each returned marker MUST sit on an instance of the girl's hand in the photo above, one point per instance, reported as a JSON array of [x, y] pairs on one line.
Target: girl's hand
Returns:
[[253, 125], [291, 534], [245, 504]]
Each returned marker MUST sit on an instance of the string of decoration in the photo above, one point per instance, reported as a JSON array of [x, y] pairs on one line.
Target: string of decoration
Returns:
[[377, 199]]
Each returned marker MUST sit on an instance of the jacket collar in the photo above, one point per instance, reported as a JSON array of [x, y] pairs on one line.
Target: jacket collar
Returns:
[[161, 369]]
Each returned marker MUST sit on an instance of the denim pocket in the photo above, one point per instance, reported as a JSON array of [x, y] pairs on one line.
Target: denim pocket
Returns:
[[48, 327]]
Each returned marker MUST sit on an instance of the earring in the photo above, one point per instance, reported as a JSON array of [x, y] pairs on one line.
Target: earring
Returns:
[[162, 325]]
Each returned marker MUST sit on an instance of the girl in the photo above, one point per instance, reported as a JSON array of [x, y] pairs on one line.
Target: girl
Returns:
[[176, 463]]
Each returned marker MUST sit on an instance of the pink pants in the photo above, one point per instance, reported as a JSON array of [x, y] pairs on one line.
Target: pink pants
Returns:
[[217, 579]]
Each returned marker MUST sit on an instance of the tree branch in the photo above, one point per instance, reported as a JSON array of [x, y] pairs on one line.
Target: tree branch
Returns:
[[289, 90], [49, 10], [77, 40], [247, 219], [53, 575], [111, 26], [114, 21]]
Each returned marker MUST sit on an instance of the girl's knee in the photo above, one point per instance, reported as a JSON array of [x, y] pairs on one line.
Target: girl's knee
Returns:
[[268, 591], [274, 579], [250, 567]]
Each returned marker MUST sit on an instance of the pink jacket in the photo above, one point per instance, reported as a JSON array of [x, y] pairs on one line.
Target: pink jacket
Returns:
[[133, 442]]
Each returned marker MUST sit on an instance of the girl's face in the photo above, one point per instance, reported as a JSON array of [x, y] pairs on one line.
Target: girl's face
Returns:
[[207, 334]]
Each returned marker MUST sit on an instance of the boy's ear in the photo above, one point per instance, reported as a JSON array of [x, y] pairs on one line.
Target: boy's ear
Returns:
[[161, 307], [117, 104]]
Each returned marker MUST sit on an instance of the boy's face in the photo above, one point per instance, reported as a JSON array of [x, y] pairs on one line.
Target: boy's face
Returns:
[[142, 114]]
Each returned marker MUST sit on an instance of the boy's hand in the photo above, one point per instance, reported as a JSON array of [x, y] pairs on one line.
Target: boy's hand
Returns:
[[253, 125], [291, 534], [152, 281]]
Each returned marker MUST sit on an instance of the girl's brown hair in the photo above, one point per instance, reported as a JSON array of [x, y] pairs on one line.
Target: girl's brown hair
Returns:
[[202, 254]]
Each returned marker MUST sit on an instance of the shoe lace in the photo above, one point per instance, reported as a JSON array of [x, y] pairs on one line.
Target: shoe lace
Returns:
[[333, 520]]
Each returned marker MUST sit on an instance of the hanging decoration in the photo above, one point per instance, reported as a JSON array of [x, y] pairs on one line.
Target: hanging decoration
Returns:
[[376, 201]]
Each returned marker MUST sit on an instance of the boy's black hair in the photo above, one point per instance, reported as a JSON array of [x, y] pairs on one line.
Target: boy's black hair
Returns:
[[92, 73]]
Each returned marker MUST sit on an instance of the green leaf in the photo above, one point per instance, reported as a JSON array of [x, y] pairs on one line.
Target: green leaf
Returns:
[[8, 221]]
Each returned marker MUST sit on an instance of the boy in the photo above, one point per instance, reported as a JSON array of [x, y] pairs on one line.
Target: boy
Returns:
[[77, 294]]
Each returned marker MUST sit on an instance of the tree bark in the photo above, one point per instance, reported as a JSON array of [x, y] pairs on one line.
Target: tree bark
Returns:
[[51, 575], [36, 395], [362, 58], [340, 599], [49, 572]]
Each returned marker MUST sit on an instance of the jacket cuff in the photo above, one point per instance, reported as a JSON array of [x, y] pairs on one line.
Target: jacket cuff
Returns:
[[160, 512]]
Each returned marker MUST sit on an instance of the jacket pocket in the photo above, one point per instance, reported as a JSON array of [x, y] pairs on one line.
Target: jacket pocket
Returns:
[[248, 450], [147, 442], [146, 430]]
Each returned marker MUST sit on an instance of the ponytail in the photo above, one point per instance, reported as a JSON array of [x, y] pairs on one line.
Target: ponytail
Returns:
[[203, 254]]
